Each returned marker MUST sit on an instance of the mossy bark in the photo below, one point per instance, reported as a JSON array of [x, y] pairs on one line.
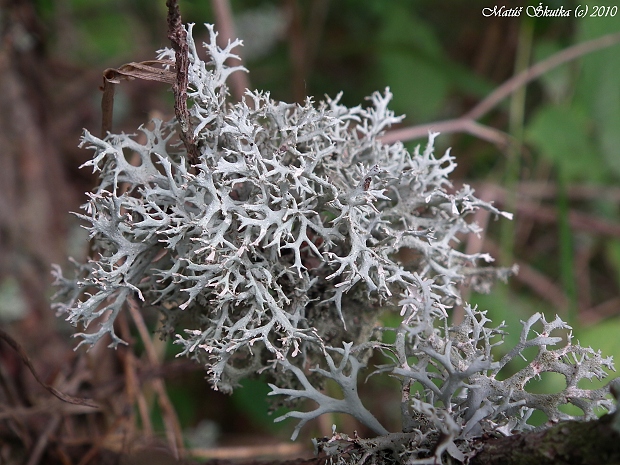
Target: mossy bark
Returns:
[[574, 443], [568, 443]]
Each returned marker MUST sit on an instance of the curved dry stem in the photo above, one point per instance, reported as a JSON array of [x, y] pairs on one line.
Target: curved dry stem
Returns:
[[467, 123], [239, 82]]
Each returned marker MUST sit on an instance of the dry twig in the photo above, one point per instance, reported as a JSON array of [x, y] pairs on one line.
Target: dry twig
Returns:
[[178, 38], [467, 123], [173, 426], [22, 354], [144, 70], [239, 82]]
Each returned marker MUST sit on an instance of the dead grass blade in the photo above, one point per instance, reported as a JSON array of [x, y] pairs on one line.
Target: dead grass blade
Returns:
[[151, 70], [64, 397]]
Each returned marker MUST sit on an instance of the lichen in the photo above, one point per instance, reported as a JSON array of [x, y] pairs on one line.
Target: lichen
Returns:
[[277, 254]]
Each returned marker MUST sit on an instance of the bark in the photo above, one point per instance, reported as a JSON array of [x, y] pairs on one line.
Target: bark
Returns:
[[568, 443]]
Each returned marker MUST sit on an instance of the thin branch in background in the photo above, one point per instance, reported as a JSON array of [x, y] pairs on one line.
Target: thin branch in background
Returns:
[[469, 126], [49, 408], [578, 220], [132, 387], [599, 312], [171, 421], [541, 175], [514, 153], [304, 40], [579, 192], [107, 105], [39, 449], [468, 121], [57, 419], [24, 357], [239, 82], [537, 70], [542, 285], [281, 450], [297, 49], [178, 38], [12, 395], [538, 282], [316, 26], [102, 442]]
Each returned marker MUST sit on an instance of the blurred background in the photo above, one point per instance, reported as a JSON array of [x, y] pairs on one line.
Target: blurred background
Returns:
[[547, 150]]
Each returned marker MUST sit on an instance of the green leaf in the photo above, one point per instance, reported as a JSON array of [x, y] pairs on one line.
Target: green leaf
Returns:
[[251, 399], [415, 66], [407, 42], [561, 135], [419, 89], [598, 86], [556, 82]]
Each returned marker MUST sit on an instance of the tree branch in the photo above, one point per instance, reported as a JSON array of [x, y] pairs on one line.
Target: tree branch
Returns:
[[239, 82], [579, 443], [178, 38], [468, 124]]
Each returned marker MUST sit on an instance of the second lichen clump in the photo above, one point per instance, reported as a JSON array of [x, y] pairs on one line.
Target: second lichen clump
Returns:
[[277, 253]]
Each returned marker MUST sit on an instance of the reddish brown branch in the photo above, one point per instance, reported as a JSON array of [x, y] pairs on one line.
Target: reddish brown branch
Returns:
[[537, 70], [239, 82], [579, 221], [64, 397], [178, 37], [466, 125], [171, 421], [468, 122]]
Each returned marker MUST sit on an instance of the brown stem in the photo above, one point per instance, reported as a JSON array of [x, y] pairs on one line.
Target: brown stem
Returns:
[[146, 70], [171, 421], [239, 82], [22, 353], [540, 68], [178, 37], [467, 123], [297, 50]]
